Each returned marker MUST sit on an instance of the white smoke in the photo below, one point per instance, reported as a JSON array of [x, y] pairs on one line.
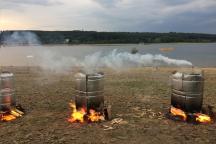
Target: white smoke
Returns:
[[21, 38], [125, 59], [114, 60], [52, 61], [90, 63]]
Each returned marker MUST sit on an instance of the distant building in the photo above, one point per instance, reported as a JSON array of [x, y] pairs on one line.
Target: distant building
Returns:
[[67, 40]]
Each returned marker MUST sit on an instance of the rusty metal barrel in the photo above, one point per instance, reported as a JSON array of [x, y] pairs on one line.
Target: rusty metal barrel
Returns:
[[89, 91], [7, 93], [187, 90]]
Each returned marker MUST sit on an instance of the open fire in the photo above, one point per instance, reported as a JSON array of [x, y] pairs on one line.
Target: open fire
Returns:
[[187, 98], [202, 118], [9, 110], [180, 115], [88, 105], [81, 115], [11, 114]]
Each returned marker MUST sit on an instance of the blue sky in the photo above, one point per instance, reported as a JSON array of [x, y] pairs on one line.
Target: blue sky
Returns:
[[110, 15]]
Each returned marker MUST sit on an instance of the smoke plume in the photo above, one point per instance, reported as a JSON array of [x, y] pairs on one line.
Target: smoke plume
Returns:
[[20, 38], [114, 60]]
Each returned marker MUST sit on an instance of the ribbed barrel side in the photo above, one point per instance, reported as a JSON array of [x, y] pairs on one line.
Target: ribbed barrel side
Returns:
[[89, 91], [7, 92], [187, 91]]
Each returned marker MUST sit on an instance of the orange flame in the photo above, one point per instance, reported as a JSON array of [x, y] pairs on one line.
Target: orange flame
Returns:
[[95, 116], [79, 115], [11, 115], [7, 117], [202, 118], [199, 117], [178, 112]]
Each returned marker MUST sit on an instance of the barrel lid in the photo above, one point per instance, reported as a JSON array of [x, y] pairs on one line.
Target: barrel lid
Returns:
[[188, 74], [80, 75], [90, 76], [6, 74], [7, 90]]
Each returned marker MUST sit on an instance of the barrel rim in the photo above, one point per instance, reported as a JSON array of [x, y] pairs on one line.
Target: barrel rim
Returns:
[[186, 93], [90, 76], [6, 74], [84, 92]]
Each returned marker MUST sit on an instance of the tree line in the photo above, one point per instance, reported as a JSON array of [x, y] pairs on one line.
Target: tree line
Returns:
[[93, 37]]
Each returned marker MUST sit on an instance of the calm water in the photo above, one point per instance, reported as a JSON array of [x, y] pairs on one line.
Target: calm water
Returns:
[[200, 54]]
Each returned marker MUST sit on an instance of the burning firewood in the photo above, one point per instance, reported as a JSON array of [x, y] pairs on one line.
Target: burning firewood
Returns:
[[196, 118], [16, 112], [178, 113], [187, 98], [10, 114], [89, 99], [202, 118], [7, 117], [82, 115], [8, 109]]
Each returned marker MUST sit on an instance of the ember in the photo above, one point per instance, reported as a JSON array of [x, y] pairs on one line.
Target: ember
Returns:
[[82, 115]]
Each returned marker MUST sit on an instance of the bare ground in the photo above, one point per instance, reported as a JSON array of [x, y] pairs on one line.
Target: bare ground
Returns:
[[140, 97]]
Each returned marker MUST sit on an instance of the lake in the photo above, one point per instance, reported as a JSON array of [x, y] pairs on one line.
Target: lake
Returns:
[[200, 54]]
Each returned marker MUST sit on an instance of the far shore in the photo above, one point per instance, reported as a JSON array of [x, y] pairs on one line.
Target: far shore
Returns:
[[103, 44]]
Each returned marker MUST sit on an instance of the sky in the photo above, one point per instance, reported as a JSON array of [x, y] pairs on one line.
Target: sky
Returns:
[[197, 16]]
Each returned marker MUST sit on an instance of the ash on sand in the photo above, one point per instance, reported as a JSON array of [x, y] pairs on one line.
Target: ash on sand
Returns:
[[140, 97]]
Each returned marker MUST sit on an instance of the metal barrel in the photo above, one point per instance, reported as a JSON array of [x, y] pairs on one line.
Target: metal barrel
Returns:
[[7, 94], [89, 91], [187, 91], [7, 80]]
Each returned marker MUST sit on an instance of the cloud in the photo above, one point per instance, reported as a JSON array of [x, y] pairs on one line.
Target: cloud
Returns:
[[175, 2], [11, 4], [192, 6], [107, 3], [116, 15], [157, 15]]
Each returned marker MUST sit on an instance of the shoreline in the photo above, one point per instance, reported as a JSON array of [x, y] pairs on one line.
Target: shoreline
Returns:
[[104, 44]]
